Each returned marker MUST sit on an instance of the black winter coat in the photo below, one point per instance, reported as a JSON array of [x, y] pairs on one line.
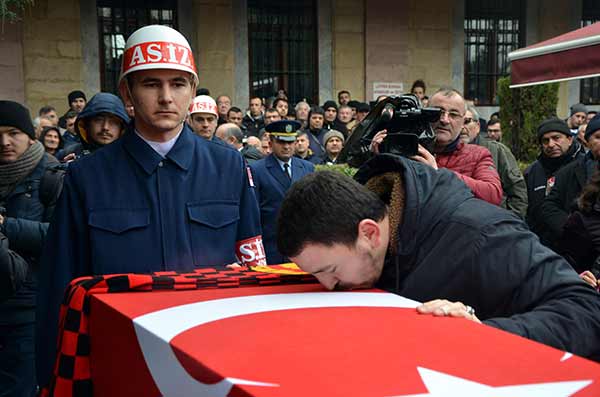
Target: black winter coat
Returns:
[[537, 177], [456, 247], [25, 225], [561, 200], [13, 270]]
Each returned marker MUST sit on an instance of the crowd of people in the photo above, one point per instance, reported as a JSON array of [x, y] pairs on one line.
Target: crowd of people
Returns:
[[165, 177]]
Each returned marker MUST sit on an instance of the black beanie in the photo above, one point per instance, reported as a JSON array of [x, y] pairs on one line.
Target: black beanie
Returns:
[[593, 126], [553, 124], [13, 114], [578, 108], [76, 94], [330, 104]]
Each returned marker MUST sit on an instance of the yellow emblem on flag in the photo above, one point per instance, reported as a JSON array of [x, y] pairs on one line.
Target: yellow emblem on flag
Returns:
[[284, 268]]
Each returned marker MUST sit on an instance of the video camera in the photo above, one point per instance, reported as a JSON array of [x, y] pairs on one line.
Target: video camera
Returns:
[[407, 125]]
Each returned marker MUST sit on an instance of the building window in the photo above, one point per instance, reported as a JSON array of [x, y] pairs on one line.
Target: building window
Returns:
[[117, 19], [492, 30], [283, 48], [589, 92]]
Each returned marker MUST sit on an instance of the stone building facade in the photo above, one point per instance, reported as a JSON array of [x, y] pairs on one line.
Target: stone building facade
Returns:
[[360, 45]]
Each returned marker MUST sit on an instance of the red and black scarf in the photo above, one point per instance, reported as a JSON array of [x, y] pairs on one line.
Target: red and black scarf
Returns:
[[71, 376]]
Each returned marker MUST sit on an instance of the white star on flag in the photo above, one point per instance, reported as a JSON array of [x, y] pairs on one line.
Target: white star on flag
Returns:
[[440, 384]]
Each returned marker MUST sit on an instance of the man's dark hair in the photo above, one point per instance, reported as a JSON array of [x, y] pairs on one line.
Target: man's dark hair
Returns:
[[70, 114], [279, 100], [301, 133], [316, 110], [256, 97], [324, 207], [418, 83], [493, 122], [202, 91], [234, 110], [271, 110], [343, 92], [46, 109]]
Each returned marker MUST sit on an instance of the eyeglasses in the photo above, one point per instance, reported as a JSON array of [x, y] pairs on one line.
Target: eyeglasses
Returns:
[[452, 114]]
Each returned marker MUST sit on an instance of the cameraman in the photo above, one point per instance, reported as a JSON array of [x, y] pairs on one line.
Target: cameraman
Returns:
[[470, 163]]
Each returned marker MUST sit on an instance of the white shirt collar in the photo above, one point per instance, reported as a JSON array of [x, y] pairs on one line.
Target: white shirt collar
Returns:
[[161, 148]]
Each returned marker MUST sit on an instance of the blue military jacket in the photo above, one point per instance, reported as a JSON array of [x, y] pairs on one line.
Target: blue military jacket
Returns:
[[127, 209], [271, 186]]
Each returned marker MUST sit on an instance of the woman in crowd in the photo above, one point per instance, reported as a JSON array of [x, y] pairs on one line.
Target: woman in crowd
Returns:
[[51, 139], [580, 244]]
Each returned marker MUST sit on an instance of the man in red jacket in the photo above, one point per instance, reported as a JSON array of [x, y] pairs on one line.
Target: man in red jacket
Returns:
[[471, 163]]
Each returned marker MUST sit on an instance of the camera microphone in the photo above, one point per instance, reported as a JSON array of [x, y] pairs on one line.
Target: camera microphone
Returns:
[[387, 113]]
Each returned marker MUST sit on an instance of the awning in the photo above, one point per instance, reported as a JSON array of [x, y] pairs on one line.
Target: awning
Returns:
[[573, 55]]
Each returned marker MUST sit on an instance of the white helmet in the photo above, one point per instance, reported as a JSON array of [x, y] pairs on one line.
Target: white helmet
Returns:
[[204, 104], [157, 47]]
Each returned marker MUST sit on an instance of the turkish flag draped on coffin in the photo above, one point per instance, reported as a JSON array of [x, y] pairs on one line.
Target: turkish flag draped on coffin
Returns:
[[299, 340], [569, 56]]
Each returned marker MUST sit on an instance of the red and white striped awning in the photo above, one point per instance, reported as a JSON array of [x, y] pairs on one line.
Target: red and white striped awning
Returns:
[[573, 55]]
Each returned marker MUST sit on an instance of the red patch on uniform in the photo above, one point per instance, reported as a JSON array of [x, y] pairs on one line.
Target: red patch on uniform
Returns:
[[250, 180], [251, 252]]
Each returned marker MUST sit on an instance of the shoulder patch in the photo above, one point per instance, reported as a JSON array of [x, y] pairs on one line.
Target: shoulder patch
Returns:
[[250, 179]]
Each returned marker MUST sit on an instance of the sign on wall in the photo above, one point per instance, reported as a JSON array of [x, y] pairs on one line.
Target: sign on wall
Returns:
[[387, 89]]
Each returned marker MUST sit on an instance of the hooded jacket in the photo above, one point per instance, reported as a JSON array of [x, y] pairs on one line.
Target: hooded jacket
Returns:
[[453, 246], [102, 102]]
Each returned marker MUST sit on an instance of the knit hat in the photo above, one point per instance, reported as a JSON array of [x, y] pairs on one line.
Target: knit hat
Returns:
[[363, 107], [553, 124], [330, 104], [333, 134], [353, 103], [593, 126], [76, 94], [13, 114], [578, 108]]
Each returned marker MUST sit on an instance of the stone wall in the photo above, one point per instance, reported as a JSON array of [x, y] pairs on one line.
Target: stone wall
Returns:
[[348, 42], [214, 52], [51, 53], [11, 63], [405, 41], [555, 18]]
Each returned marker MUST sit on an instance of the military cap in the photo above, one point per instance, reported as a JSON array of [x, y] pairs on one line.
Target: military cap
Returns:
[[284, 130]]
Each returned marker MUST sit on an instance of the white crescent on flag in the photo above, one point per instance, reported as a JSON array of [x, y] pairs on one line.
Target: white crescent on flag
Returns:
[[156, 330]]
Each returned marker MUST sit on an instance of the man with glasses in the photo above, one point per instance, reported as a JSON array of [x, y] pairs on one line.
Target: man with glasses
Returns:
[[494, 130], [470, 163]]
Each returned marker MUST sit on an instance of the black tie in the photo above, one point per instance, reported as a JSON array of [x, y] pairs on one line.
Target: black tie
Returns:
[[286, 168]]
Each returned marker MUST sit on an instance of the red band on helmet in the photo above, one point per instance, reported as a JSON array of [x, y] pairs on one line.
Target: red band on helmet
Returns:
[[158, 52], [251, 252]]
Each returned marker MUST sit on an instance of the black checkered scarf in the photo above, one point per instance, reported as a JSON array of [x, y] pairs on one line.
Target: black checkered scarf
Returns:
[[71, 375]]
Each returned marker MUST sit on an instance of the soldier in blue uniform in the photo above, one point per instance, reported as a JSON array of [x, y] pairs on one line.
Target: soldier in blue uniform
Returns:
[[273, 176], [160, 198]]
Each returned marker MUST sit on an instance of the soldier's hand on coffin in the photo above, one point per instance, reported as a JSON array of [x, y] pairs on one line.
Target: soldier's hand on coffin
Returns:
[[233, 266], [376, 141], [425, 157], [445, 308]]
